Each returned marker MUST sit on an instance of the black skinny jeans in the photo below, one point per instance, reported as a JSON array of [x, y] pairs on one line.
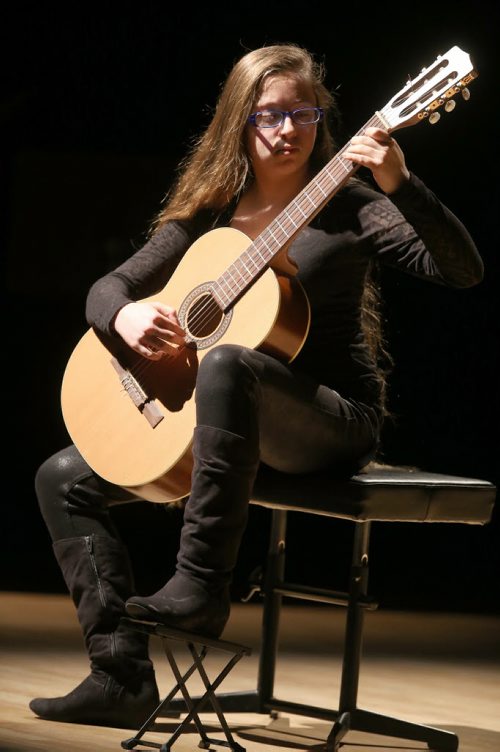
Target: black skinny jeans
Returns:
[[300, 427]]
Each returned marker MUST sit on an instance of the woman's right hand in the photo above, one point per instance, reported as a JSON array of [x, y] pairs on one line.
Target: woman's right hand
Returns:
[[149, 328]]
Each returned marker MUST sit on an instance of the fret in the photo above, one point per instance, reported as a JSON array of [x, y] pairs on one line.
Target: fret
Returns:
[[290, 218], [263, 240], [270, 230], [260, 254], [251, 258], [277, 221], [242, 261], [217, 291], [230, 271], [342, 163], [321, 189], [258, 262], [334, 180], [300, 210]]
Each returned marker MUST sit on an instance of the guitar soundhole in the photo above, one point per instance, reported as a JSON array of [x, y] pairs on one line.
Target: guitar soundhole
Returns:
[[203, 317]]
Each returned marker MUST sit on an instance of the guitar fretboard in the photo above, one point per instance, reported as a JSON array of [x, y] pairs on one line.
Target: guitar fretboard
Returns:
[[295, 216]]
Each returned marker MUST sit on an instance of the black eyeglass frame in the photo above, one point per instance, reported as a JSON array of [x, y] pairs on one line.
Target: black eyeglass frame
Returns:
[[286, 113]]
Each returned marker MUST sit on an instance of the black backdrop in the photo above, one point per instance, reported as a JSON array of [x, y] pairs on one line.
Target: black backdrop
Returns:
[[98, 108]]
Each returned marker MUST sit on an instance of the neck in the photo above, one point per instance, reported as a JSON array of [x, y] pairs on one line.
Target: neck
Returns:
[[278, 190]]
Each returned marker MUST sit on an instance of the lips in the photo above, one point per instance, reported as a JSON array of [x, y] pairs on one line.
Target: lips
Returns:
[[286, 150]]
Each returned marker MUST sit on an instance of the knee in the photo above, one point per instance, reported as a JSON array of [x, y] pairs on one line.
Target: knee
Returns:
[[56, 476], [223, 367]]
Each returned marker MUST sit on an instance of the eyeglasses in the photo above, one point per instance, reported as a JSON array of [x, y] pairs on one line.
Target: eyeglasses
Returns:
[[273, 118]]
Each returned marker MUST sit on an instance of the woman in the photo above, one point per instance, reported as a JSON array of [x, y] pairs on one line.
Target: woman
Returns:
[[268, 137]]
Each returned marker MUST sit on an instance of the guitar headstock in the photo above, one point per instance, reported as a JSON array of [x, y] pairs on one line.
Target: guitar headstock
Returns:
[[433, 87]]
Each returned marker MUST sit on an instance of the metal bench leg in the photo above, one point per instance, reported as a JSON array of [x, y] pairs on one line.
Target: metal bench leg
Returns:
[[350, 716], [353, 643]]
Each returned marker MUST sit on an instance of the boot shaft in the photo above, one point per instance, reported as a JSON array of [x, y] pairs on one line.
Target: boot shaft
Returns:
[[98, 575], [216, 513]]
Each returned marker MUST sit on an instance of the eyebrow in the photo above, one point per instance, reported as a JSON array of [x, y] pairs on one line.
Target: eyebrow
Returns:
[[276, 106]]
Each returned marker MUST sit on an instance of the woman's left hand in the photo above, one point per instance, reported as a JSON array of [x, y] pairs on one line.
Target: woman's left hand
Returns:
[[378, 151]]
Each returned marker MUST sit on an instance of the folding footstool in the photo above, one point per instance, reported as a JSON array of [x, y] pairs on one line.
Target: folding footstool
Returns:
[[198, 648]]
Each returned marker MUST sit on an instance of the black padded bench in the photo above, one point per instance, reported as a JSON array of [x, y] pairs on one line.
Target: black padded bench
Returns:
[[377, 494]]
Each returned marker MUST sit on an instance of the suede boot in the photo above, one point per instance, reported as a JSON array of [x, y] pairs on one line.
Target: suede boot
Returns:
[[197, 598], [121, 688]]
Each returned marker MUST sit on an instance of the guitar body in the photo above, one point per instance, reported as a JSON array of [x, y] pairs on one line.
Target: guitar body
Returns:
[[146, 447]]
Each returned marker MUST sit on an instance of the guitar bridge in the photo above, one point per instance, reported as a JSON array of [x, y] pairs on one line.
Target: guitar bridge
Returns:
[[144, 404]]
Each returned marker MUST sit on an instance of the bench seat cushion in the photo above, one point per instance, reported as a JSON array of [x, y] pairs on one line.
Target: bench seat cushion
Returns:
[[379, 492]]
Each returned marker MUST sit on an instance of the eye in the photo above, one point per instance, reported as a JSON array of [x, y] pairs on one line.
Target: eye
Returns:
[[306, 115], [268, 118]]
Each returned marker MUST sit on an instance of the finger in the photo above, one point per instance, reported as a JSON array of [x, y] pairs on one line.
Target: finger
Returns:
[[163, 346], [163, 328], [165, 325], [149, 351], [167, 311], [174, 328], [161, 335], [364, 155], [372, 143], [379, 134]]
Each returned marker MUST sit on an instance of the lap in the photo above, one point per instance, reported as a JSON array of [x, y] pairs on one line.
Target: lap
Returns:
[[305, 426]]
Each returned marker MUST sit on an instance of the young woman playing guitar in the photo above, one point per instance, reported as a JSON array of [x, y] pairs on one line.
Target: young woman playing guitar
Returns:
[[269, 136]]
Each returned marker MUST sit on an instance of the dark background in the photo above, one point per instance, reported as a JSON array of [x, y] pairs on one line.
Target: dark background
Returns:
[[98, 107]]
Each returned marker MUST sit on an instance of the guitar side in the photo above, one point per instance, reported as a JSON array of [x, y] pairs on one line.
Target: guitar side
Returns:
[[152, 458]]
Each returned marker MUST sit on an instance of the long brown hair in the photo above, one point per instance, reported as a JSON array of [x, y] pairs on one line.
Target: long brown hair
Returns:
[[218, 168]]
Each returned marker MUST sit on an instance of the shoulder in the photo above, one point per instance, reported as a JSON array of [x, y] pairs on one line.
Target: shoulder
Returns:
[[188, 229]]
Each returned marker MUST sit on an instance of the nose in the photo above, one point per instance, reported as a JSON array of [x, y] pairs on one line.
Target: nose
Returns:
[[288, 126]]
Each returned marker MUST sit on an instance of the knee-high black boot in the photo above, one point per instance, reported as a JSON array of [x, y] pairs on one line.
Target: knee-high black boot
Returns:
[[196, 598], [121, 688]]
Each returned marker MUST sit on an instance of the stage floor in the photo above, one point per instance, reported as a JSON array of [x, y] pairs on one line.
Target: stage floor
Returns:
[[442, 670]]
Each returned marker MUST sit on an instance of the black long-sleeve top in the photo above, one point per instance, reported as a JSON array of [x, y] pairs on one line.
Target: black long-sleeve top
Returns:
[[412, 231]]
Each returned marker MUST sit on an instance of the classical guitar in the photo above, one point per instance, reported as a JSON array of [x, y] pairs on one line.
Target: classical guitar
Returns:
[[132, 419]]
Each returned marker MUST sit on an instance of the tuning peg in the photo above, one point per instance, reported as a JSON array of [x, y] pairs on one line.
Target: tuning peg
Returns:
[[450, 105], [466, 94], [434, 118]]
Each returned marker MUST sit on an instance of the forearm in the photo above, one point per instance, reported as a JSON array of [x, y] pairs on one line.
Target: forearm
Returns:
[[444, 238], [145, 273]]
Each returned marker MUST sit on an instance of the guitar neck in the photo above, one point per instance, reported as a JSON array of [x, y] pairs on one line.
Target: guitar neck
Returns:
[[286, 226]]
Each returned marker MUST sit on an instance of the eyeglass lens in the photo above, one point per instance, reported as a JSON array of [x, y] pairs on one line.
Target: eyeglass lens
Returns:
[[272, 118]]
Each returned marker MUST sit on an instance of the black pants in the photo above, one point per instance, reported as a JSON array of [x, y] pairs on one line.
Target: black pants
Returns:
[[300, 427]]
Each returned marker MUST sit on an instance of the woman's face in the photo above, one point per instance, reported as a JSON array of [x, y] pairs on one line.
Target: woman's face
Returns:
[[284, 150]]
